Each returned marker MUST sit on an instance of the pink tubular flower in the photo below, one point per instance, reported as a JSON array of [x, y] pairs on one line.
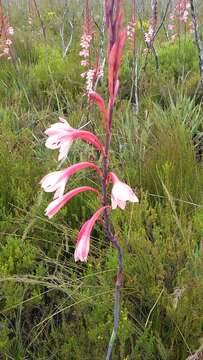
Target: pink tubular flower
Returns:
[[55, 133], [121, 193], [61, 136], [100, 102], [58, 203], [115, 61], [83, 240], [56, 181]]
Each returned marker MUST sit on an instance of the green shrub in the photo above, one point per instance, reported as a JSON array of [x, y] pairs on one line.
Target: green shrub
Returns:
[[178, 63], [24, 50], [170, 158], [56, 78]]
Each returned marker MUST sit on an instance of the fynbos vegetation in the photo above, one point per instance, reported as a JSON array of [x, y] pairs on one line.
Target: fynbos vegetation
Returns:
[[110, 267]]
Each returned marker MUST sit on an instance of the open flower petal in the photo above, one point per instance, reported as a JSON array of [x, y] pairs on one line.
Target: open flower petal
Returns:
[[121, 193], [61, 136], [65, 148], [56, 181]]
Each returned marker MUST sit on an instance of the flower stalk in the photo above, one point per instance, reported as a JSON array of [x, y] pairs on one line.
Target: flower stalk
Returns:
[[116, 39]]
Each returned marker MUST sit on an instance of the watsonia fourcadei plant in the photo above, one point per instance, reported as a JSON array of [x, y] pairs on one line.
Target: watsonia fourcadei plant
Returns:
[[61, 136]]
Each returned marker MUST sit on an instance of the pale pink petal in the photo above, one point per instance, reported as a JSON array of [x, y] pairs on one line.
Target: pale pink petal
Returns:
[[53, 142], [64, 149], [61, 136], [63, 121], [117, 202], [55, 181], [49, 182], [113, 202], [121, 193], [121, 204], [133, 198], [60, 190], [59, 128]]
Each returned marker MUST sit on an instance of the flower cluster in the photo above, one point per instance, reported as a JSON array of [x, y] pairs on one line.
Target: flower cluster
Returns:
[[131, 27], [85, 45], [61, 136], [92, 73], [180, 15], [5, 36], [149, 36], [91, 76]]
